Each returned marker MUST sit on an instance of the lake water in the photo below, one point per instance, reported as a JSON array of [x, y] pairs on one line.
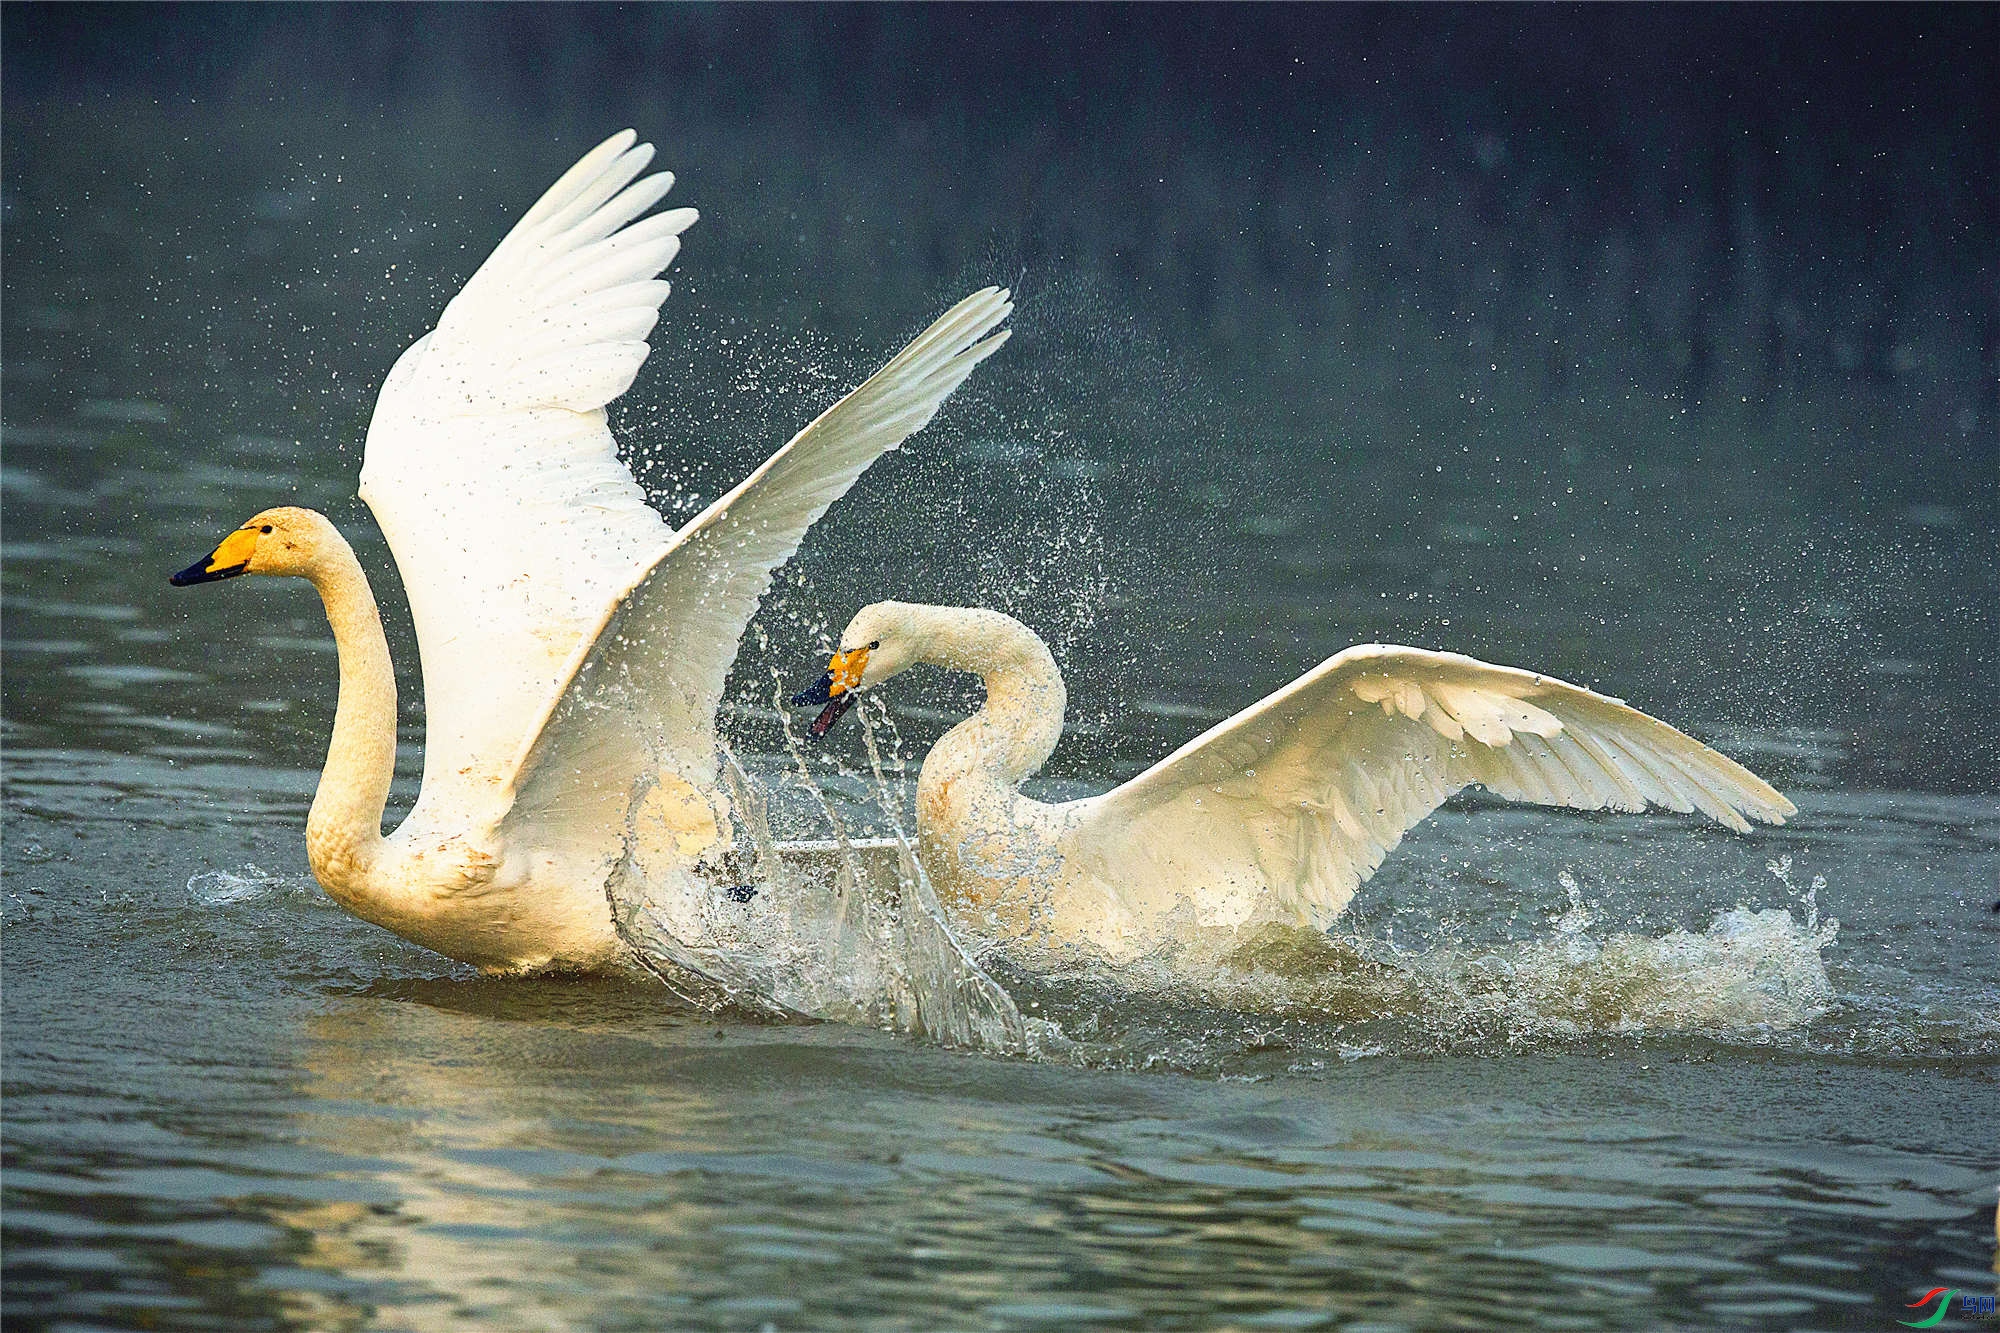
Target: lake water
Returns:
[[1551, 1071]]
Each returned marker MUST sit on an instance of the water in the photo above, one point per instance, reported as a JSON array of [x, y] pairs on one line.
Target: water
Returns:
[[1571, 1070]]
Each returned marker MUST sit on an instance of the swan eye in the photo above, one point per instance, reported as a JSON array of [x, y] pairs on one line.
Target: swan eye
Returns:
[[873, 646], [265, 528]]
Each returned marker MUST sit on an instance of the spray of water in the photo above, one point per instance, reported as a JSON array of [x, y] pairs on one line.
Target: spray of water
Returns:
[[839, 930], [849, 928], [216, 888]]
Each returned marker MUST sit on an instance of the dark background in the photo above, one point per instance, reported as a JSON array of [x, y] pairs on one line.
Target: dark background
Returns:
[[1316, 301], [1706, 201]]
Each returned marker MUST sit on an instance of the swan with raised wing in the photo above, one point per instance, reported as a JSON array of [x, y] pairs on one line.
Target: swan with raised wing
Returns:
[[1277, 814], [574, 647]]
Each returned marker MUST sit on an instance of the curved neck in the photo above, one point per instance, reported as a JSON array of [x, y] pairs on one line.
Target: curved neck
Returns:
[[344, 830], [1015, 733]]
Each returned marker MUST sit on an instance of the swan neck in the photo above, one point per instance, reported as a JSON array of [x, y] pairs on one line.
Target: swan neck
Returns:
[[1013, 735], [344, 830]]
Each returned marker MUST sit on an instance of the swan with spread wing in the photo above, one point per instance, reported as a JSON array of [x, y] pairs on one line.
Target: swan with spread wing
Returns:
[[1277, 814], [574, 646]]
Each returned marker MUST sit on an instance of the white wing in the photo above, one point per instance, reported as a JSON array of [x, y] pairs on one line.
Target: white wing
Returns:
[[494, 475], [1300, 797], [639, 703]]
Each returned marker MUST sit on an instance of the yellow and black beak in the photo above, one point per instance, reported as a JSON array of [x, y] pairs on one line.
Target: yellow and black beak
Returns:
[[224, 562], [837, 688]]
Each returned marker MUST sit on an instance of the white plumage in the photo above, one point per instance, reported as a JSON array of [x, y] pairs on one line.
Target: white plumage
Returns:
[[574, 646], [1277, 814], [492, 471]]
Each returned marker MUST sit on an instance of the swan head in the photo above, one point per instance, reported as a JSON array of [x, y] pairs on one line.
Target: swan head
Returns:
[[285, 540], [881, 641]]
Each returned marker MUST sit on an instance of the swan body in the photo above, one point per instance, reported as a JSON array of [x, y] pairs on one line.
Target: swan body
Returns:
[[1277, 814], [574, 646]]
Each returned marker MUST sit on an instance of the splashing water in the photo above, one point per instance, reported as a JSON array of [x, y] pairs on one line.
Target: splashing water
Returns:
[[854, 932], [214, 888], [1748, 969], [839, 930], [1749, 975], [851, 930]]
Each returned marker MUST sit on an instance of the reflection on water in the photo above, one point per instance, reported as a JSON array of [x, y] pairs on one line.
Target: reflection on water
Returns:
[[564, 1156]]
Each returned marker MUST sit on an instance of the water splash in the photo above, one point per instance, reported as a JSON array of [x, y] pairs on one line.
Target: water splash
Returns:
[[1217, 1002], [1749, 969], [855, 933], [840, 930], [851, 930], [214, 888]]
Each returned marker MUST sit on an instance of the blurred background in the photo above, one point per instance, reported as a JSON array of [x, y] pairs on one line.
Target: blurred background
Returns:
[[1658, 348]]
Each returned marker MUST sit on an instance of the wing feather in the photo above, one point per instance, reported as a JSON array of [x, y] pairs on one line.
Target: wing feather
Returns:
[[1305, 793], [493, 473], [637, 706]]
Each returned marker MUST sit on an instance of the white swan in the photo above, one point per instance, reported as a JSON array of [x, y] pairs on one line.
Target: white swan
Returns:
[[574, 646], [1279, 813]]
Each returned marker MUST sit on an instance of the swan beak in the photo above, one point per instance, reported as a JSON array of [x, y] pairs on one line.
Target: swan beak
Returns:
[[835, 688], [224, 562], [826, 690], [816, 693], [832, 713]]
